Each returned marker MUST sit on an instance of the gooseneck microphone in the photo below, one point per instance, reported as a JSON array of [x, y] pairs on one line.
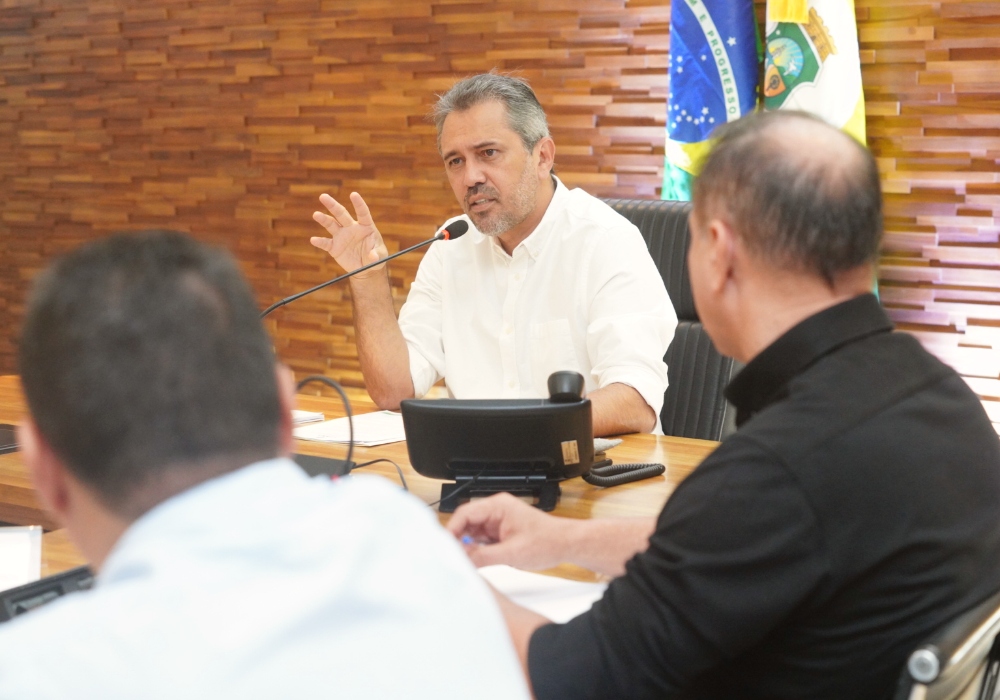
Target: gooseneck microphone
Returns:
[[452, 231]]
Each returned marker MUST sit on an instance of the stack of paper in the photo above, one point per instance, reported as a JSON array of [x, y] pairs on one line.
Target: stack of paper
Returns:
[[558, 599], [20, 555], [370, 429], [300, 417]]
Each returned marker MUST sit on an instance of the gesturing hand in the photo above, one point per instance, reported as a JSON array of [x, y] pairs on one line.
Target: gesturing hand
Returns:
[[352, 244], [506, 530]]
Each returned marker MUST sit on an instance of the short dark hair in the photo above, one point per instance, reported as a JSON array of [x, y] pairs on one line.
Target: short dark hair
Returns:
[[818, 212], [142, 352], [525, 115]]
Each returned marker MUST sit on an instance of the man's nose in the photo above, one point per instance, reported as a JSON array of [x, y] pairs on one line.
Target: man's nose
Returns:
[[474, 175]]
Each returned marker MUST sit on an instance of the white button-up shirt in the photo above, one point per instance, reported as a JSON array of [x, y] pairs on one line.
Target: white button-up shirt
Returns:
[[267, 584], [580, 293]]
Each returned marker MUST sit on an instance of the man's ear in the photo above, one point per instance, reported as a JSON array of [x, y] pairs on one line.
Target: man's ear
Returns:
[[286, 400], [546, 149], [722, 255], [47, 471]]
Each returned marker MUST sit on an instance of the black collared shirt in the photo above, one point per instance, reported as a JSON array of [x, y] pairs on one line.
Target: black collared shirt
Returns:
[[855, 511]]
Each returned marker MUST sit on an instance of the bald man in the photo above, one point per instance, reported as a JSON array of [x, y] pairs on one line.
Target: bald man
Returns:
[[856, 509]]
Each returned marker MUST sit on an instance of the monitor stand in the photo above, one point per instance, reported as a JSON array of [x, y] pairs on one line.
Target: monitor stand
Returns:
[[546, 492]]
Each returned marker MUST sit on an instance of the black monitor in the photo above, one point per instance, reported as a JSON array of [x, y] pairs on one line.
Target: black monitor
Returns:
[[524, 446]]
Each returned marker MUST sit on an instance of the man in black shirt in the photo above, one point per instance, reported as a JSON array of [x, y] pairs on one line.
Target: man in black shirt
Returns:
[[854, 512]]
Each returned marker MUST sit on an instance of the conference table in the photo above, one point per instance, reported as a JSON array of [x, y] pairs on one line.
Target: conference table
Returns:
[[19, 505]]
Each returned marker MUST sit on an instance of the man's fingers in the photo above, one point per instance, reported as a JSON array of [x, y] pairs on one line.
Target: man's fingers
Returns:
[[467, 520], [329, 202], [476, 517], [361, 209], [326, 221], [489, 554], [325, 244], [337, 210]]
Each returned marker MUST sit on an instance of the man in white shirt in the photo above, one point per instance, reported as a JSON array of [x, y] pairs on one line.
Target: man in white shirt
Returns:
[[547, 278], [160, 435]]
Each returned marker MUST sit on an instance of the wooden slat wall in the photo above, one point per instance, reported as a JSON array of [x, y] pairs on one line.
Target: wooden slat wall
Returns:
[[227, 118], [932, 84]]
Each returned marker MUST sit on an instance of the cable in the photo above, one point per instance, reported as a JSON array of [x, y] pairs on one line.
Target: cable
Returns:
[[464, 487], [618, 474], [347, 406], [382, 459]]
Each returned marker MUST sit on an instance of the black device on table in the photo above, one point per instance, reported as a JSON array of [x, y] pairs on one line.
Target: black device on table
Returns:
[[522, 446], [8, 439], [17, 601]]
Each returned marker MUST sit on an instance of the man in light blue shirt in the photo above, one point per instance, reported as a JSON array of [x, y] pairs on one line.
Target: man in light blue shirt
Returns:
[[159, 436]]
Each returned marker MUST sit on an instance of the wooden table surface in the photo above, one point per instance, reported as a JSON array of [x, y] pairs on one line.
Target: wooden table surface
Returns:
[[19, 506]]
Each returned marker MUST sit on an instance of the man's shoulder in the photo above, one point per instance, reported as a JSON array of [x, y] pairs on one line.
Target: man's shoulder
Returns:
[[34, 646], [584, 208], [601, 235], [358, 554], [883, 403]]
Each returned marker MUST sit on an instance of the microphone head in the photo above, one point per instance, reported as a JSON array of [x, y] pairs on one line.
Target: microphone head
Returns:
[[455, 229], [566, 387]]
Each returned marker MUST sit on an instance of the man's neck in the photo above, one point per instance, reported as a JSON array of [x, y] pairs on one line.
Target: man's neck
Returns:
[[785, 302], [95, 528], [515, 236]]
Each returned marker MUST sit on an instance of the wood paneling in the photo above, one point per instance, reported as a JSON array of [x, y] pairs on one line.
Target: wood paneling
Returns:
[[932, 84], [227, 118]]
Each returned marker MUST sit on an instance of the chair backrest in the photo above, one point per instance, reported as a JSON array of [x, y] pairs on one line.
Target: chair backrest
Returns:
[[694, 404], [961, 661], [664, 226]]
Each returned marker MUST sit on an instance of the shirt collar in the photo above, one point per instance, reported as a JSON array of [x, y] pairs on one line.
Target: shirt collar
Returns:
[[535, 242], [765, 378]]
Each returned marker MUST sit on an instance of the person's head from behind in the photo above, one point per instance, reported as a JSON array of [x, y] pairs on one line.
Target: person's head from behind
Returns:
[[147, 371], [494, 139], [787, 219]]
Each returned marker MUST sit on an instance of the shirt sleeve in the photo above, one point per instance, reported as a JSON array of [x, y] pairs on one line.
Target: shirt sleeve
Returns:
[[631, 320], [420, 320], [736, 548]]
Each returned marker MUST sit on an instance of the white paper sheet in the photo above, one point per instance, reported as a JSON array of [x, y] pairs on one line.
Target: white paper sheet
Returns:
[[558, 599], [20, 555], [300, 417], [370, 429]]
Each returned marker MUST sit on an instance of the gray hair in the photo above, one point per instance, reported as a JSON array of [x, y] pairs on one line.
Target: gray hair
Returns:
[[525, 115], [799, 192]]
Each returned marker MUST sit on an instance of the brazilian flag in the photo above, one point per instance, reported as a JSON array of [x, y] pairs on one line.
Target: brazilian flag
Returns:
[[713, 80]]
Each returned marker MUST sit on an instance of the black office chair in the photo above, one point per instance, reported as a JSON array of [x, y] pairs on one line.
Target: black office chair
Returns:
[[960, 661], [694, 405]]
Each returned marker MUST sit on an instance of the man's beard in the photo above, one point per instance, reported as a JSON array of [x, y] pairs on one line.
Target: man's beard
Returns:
[[504, 218]]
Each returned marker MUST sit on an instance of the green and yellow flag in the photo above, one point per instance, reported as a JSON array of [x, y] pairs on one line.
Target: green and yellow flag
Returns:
[[812, 62]]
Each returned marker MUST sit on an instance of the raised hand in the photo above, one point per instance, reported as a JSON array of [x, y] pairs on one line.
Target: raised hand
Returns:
[[352, 243], [503, 529]]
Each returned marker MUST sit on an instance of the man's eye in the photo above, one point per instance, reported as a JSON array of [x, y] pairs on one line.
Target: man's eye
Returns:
[[454, 162], [490, 152]]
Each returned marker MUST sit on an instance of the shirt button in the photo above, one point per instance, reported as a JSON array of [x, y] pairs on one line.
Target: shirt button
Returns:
[[510, 384], [508, 330], [517, 277]]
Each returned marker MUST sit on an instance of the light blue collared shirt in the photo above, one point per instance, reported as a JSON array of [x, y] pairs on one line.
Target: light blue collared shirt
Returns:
[[264, 583]]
